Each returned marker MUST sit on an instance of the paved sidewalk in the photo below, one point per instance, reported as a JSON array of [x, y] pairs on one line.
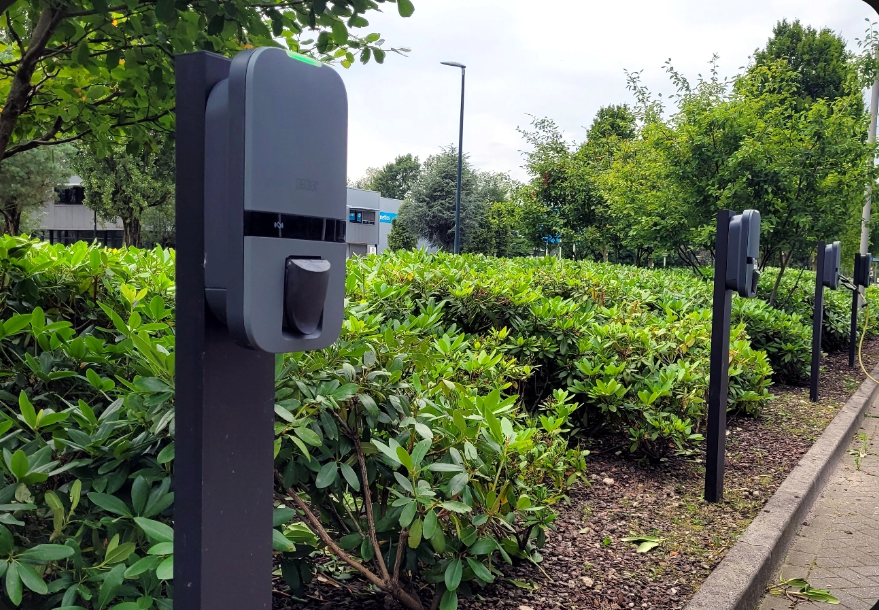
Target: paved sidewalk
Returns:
[[837, 547]]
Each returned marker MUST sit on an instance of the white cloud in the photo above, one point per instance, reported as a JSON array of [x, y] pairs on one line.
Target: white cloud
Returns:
[[562, 59]]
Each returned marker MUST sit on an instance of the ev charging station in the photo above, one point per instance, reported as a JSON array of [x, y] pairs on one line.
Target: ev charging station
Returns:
[[826, 276], [860, 280], [735, 270], [261, 187]]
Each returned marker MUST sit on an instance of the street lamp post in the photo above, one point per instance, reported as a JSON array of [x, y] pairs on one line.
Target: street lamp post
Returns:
[[460, 157]]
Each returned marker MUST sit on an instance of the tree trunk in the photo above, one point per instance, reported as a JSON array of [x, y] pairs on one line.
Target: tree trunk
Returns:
[[605, 253], [784, 262], [131, 231], [11, 221], [20, 90]]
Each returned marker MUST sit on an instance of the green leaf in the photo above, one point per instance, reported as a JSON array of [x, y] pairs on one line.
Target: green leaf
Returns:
[[406, 9], [140, 490], [645, 547], [350, 476], [16, 324], [146, 564], [156, 531], [437, 467], [425, 432], [429, 524], [480, 570], [6, 542], [415, 534], [405, 459], [483, 546], [340, 33], [165, 571], [327, 475], [408, 514], [282, 515], [13, 583], [162, 548], [120, 553], [345, 392], [166, 455], [452, 576], [351, 541], [458, 483], [419, 451], [457, 507], [309, 436], [28, 414], [449, 601], [42, 554], [280, 542], [19, 465], [386, 450], [110, 503]]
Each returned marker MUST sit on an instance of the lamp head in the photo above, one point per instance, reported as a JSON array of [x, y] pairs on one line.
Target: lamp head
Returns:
[[454, 64]]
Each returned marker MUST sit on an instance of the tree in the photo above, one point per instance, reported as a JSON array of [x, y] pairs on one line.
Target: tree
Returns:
[[429, 211], [565, 189], [752, 145], [400, 237], [819, 58], [84, 69], [27, 181], [125, 186], [158, 226], [394, 180]]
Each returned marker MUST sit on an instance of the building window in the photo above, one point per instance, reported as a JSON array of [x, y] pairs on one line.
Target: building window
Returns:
[[366, 217], [108, 239], [70, 195]]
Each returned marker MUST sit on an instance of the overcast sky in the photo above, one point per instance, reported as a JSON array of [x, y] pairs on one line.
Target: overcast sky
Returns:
[[561, 59]]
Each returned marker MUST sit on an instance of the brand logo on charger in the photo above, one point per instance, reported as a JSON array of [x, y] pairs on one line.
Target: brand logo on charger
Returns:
[[303, 184]]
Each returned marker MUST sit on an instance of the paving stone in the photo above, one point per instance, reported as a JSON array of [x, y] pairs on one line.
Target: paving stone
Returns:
[[838, 548]]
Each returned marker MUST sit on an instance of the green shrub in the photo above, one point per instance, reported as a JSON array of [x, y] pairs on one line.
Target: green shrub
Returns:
[[87, 426], [613, 336]]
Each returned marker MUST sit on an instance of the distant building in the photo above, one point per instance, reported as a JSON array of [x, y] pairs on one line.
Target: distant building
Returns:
[[369, 221], [66, 220]]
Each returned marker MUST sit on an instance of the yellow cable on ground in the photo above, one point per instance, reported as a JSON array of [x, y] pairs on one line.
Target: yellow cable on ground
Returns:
[[861, 344]]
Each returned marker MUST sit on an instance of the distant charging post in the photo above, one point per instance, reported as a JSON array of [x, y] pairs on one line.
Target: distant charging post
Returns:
[[735, 270]]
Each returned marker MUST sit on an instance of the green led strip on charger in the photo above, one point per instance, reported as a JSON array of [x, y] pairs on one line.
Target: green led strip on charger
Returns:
[[304, 59]]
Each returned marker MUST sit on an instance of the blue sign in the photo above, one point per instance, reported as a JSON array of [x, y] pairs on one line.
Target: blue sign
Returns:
[[386, 217]]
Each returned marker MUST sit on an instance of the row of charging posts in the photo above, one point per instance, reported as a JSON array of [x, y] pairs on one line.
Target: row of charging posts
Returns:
[[261, 190], [261, 177], [827, 276]]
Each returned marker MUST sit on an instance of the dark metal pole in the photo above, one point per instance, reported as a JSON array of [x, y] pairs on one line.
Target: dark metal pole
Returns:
[[718, 383], [460, 169], [853, 333], [223, 470], [817, 320]]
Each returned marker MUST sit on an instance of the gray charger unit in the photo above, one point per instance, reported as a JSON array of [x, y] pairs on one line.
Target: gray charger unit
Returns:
[[276, 136], [742, 275], [832, 259]]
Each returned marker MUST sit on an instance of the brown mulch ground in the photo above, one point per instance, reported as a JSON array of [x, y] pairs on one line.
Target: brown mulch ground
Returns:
[[587, 565]]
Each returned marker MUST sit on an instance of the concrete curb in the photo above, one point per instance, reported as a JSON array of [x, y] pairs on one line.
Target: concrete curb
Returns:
[[740, 581]]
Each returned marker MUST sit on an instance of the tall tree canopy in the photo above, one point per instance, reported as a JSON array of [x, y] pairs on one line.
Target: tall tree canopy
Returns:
[[395, 179], [125, 185], [429, 210], [104, 72], [818, 57]]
